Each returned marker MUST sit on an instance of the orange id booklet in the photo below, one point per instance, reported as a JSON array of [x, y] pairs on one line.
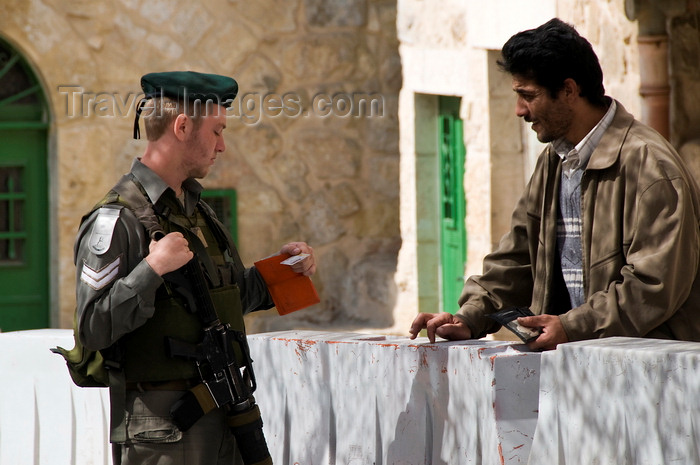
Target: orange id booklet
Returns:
[[289, 290]]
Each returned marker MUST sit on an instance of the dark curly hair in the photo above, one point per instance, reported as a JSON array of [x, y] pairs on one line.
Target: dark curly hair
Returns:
[[552, 53]]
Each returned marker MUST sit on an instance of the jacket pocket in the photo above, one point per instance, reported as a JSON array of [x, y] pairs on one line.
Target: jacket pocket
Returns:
[[615, 256]]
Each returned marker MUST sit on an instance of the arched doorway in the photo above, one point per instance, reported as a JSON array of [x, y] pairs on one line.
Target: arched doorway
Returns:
[[24, 230]]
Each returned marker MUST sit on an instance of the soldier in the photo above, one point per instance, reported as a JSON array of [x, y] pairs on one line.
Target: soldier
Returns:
[[127, 305]]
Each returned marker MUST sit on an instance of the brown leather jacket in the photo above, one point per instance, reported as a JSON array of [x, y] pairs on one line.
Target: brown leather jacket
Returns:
[[640, 238]]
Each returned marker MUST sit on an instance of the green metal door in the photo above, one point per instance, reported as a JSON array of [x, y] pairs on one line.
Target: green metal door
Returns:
[[453, 238], [24, 257]]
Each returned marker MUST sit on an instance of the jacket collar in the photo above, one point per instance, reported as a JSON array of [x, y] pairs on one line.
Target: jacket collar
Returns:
[[155, 187], [608, 150]]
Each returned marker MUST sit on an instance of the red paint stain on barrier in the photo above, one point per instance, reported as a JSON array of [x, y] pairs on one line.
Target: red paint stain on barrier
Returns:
[[423, 346], [392, 346], [302, 345], [424, 359]]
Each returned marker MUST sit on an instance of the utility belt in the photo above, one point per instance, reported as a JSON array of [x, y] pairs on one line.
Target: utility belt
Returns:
[[173, 385], [198, 400]]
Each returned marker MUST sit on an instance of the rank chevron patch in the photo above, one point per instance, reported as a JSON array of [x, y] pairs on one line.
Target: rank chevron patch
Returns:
[[97, 279]]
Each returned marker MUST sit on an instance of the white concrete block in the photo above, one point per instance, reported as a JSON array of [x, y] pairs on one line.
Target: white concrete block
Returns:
[[619, 401], [44, 418], [334, 398], [326, 398]]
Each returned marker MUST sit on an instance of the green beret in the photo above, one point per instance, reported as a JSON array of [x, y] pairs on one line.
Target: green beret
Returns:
[[190, 85]]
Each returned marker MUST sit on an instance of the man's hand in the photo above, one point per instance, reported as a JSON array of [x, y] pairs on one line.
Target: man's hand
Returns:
[[443, 324], [169, 254], [553, 332], [307, 267]]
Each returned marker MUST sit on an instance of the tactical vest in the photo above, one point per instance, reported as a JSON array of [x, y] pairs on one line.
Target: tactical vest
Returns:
[[143, 351]]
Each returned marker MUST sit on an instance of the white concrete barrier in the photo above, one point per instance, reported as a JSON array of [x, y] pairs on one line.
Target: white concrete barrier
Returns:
[[353, 399], [619, 401], [44, 418], [327, 398]]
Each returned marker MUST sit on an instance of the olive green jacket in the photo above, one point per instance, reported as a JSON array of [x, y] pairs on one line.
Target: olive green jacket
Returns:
[[640, 238], [116, 288]]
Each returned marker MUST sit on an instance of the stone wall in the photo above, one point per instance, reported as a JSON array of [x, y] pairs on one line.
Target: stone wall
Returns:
[[324, 169], [614, 39], [684, 51]]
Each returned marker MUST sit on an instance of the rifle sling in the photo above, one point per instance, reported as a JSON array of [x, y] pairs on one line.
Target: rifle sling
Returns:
[[145, 211]]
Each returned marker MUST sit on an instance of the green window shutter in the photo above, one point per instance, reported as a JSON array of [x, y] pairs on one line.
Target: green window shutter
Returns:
[[13, 234], [223, 202]]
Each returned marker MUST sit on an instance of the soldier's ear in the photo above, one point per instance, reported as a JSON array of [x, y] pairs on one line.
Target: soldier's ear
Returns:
[[182, 126]]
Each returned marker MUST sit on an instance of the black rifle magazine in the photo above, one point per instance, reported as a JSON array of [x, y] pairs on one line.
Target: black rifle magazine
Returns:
[[509, 319]]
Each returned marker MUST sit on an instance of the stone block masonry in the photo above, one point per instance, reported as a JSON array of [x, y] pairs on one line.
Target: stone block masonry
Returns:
[[312, 139]]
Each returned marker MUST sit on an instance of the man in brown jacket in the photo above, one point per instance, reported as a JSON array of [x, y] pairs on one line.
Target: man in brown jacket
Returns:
[[605, 239]]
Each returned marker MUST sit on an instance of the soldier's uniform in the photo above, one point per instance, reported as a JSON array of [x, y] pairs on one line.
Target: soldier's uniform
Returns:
[[126, 308]]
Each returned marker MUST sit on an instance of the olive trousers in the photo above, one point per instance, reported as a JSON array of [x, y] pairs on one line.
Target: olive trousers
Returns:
[[154, 440]]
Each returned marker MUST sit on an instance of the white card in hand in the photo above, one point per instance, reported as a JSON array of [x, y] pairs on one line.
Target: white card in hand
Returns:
[[294, 259]]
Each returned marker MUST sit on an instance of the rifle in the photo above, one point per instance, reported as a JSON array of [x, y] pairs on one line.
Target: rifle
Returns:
[[226, 383]]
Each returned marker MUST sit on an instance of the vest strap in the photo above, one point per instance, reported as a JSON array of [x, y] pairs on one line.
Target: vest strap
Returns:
[[117, 405], [136, 199]]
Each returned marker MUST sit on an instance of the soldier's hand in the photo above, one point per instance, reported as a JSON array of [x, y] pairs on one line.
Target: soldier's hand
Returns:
[[442, 324], [169, 254], [307, 267]]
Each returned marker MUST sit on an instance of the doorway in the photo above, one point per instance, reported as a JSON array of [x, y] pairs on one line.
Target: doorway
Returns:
[[453, 236], [440, 202], [24, 231]]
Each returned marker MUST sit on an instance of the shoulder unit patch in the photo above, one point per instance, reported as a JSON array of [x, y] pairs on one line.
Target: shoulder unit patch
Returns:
[[102, 230]]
